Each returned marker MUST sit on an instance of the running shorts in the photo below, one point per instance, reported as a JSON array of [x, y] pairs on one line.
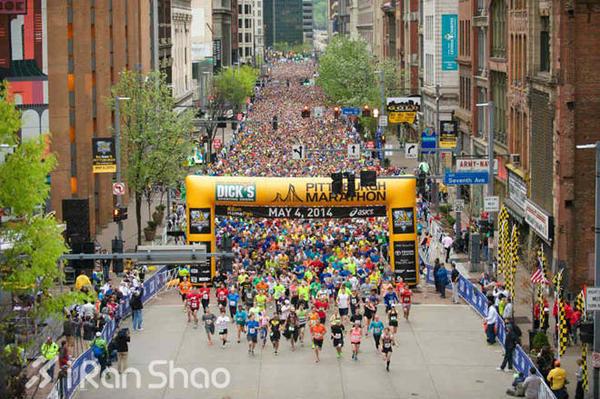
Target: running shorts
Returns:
[[338, 342], [252, 338], [223, 332], [343, 311], [318, 343]]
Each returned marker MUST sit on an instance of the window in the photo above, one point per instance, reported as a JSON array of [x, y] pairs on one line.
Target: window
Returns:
[[461, 38], [481, 112], [239, 23], [481, 51], [247, 51], [248, 23], [247, 9], [498, 80], [239, 9], [429, 27], [240, 37], [465, 92], [545, 44], [248, 38], [429, 69], [468, 38], [498, 29]]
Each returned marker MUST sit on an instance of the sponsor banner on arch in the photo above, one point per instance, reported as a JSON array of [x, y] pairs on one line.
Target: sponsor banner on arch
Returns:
[[320, 212]]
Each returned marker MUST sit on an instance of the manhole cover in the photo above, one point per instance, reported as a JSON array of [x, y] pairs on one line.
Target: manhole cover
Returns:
[[479, 381], [414, 394]]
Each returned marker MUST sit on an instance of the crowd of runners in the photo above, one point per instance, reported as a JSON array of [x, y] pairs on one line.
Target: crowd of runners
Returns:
[[294, 278]]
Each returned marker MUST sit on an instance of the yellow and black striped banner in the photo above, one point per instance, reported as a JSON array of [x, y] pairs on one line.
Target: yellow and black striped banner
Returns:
[[540, 299], [584, 367]]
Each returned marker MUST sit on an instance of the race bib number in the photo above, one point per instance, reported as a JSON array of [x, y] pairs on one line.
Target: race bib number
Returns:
[[205, 296], [232, 303], [337, 336], [251, 331]]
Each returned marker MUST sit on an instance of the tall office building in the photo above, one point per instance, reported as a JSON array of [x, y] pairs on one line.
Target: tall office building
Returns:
[[307, 20], [250, 30], [89, 43], [283, 21]]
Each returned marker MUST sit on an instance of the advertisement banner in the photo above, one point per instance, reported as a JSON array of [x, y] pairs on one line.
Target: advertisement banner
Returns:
[[104, 155], [321, 212], [448, 134], [403, 109], [449, 42], [405, 261]]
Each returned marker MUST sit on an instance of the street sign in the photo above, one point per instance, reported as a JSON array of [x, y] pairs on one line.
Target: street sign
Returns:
[[118, 188], [475, 165], [350, 111], [318, 112], [411, 150], [459, 205], [383, 121], [298, 151], [353, 151], [428, 141], [491, 204], [596, 360], [370, 145], [466, 178], [592, 299], [217, 144]]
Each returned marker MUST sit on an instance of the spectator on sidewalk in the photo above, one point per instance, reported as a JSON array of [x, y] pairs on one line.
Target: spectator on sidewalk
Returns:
[[447, 242], [442, 277], [436, 268], [69, 330], [511, 339], [105, 267], [508, 309], [122, 346], [557, 377], [454, 279], [136, 308], [517, 388], [82, 282], [579, 393], [490, 323], [50, 350], [532, 384]]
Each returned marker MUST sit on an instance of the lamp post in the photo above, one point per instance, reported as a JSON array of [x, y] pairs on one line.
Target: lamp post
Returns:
[[596, 345], [118, 157], [490, 140]]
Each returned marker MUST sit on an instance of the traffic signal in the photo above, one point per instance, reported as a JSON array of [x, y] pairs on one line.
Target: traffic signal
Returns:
[[275, 124], [119, 214], [306, 112], [351, 192], [337, 184], [336, 112], [366, 111]]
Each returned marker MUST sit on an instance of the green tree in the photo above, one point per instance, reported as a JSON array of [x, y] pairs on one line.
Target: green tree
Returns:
[[320, 14], [156, 140], [230, 89], [347, 73], [393, 78], [32, 241]]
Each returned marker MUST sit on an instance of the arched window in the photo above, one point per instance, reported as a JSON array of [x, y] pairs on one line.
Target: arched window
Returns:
[[498, 14]]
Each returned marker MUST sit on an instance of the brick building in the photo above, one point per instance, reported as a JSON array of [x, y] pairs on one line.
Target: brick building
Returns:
[[89, 43]]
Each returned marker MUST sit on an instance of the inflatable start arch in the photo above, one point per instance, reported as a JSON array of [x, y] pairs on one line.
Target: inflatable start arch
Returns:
[[303, 198]]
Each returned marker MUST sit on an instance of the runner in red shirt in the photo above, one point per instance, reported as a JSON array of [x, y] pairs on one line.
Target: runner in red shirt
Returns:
[[222, 293], [205, 296], [406, 299], [193, 304], [321, 306]]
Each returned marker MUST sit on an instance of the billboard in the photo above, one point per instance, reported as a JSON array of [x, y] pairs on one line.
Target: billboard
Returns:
[[403, 109], [104, 155], [449, 42]]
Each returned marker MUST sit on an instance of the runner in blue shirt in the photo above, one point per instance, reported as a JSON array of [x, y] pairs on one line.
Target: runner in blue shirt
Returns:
[[252, 328], [390, 299], [233, 298], [377, 327], [240, 320]]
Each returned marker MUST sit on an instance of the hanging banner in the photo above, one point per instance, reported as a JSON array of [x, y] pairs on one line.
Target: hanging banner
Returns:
[[403, 109], [104, 155], [449, 42], [448, 134]]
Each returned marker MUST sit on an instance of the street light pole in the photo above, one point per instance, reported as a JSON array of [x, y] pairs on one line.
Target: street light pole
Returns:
[[436, 161], [118, 156], [596, 345]]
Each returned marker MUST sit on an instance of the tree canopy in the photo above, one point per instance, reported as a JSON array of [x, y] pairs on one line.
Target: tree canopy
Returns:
[[347, 74], [156, 139]]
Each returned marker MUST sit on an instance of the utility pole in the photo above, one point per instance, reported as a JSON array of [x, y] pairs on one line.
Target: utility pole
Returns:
[[383, 111], [154, 5], [436, 162], [490, 186], [596, 345], [118, 157]]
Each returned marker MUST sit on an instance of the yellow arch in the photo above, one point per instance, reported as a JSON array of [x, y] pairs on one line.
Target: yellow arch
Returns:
[[306, 197]]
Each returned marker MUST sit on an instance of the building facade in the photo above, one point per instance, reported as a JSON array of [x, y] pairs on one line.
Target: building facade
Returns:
[[222, 17], [89, 43], [283, 21], [181, 34], [250, 31], [24, 64], [307, 21]]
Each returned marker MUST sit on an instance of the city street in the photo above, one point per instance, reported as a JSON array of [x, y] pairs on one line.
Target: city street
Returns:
[[440, 354]]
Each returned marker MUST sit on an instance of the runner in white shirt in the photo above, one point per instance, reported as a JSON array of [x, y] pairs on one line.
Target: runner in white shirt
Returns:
[[221, 324], [343, 302]]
